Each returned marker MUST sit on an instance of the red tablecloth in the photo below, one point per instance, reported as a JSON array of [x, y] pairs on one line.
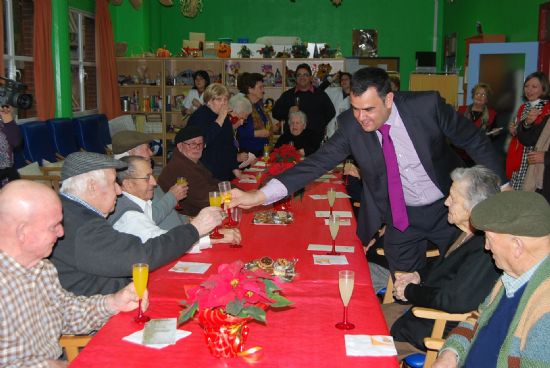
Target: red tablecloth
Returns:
[[300, 336]]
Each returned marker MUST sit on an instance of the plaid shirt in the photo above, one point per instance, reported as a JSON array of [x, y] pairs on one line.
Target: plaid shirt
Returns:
[[35, 310]]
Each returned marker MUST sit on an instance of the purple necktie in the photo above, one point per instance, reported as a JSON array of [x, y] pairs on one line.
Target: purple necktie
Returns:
[[395, 188]]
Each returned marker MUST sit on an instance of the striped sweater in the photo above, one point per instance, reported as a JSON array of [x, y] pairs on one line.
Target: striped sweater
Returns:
[[526, 344]]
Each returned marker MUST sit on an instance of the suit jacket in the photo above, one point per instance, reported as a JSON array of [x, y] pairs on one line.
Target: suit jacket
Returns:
[[429, 122], [457, 283]]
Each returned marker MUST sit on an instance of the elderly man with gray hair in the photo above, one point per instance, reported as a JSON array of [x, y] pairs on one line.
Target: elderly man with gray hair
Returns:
[[512, 326], [133, 143], [459, 279], [95, 258]]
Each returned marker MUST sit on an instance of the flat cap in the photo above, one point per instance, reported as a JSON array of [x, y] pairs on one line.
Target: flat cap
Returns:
[[82, 162], [127, 139], [513, 212], [189, 132]]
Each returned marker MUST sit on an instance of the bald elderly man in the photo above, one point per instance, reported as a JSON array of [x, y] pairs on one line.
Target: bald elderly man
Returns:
[[34, 309], [95, 258], [133, 143], [512, 325]]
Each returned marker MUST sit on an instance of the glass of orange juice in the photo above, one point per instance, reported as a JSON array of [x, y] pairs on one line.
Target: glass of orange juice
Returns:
[[140, 275]]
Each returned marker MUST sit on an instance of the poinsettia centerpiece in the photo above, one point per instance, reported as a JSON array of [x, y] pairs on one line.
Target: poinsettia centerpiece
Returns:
[[236, 291], [282, 159]]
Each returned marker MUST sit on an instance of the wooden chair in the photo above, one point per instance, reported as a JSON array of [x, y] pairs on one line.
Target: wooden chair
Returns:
[[435, 342], [50, 180], [72, 344], [388, 296]]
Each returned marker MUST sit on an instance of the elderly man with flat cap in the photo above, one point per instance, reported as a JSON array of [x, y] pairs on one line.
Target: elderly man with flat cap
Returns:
[[95, 258], [133, 143], [34, 309], [186, 162], [512, 325]]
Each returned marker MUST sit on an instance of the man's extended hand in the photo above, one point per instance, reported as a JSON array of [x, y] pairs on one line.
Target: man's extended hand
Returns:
[[179, 191], [246, 199], [447, 359], [207, 219], [126, 299]]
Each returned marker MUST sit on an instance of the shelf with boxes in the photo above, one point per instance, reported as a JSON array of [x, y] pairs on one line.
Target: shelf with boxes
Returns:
[[152, 90]]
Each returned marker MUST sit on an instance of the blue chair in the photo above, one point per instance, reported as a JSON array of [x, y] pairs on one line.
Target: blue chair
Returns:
[[104, 133], [89, 133], [37, 145], [415, 360], [63, 135]]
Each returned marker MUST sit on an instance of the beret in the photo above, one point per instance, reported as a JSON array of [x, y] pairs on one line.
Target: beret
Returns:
[[127, 139], [189, 132], [513, 212], [82, 162]]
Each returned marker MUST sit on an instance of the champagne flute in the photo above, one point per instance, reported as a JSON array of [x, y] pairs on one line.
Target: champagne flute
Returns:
[[225, 192], [140, 275], [347, 166], [346, 280], [236, 216], [265, 156], [215, 200], [180, 181], [331, 196], [334, 225]]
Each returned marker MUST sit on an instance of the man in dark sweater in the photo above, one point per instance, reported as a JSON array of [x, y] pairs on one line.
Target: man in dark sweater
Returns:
[[92, 257], [314, 102]]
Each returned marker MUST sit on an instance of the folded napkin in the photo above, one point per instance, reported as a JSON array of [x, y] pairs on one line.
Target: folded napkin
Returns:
[[137, 338], [339, 248], [248, 180], [328, 260], [203, 243], [335, 213], [369, 345]]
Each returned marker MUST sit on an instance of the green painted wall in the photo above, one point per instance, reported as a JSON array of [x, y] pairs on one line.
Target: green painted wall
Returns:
[[518, 20], [404, 26]]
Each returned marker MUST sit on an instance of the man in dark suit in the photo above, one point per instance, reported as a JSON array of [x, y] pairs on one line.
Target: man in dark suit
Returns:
[[421, 123]]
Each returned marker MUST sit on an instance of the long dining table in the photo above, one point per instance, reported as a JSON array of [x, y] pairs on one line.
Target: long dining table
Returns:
[[303, 335]]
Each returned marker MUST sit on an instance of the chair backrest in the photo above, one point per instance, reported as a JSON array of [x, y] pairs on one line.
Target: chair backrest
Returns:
[[36, 141], [72, 345], [104, 132], [63, 135], [89, 133]]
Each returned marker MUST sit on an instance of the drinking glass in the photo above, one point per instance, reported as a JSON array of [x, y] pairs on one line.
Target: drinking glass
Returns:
[[346, 166], [180, 181], [236, 216], [265, 156], [346, 280], [140, 275], [333, 225], [215, 200], [225, 192], [331, 196]]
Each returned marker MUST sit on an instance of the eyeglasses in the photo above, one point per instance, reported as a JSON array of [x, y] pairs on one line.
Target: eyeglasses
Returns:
[[302, 75], [147, 177], [480, 94], [194, 145]]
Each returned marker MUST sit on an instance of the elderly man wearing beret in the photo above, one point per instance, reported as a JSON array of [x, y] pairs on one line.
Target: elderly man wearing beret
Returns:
[[186, 163], [93, 257], [133, 143], [512, 325]]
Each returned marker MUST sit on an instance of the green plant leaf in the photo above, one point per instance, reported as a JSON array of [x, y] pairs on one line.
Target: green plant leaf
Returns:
[[270, 287], [279, 301], [234, 307], [187, 313], [252, 311]]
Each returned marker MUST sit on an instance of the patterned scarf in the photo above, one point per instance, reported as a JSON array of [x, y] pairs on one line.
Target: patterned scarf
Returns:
[[260, 117], [6, 159], [484, 117], [519, 176]]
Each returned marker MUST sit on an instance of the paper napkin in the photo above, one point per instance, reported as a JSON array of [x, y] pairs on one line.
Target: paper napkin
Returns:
[[327, 260], [324, 196], [339, 248], [343, 222], [369, 345], [251, 158], [248, 180], [336, 213], [137, 338], [254, 169], [160, 331], [190, 267]]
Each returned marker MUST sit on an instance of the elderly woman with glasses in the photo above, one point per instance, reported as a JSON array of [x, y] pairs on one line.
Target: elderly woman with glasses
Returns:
[[459, 280], [298, 135], [220, 152]]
